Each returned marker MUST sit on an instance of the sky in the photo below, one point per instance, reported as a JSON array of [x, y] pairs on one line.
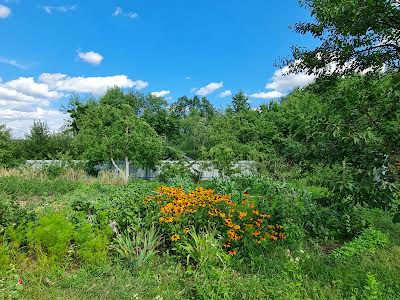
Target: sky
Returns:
[[52, 49]]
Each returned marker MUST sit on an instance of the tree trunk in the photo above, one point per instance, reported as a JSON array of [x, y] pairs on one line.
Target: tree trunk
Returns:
[[126, 168], [115, 166]]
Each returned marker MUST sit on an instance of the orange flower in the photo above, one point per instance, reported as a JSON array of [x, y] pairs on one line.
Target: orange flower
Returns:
[[246, 194], [242, 215], [227, 244], [175, 237], [232, 252], [186, 230], [255, 233]]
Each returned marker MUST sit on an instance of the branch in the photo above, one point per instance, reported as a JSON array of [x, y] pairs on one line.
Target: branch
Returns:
[[115, 165]]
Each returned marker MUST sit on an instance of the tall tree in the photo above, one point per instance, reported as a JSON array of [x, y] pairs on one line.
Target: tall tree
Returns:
[[355, 35], [115, 132], [5, 146], [240, 102], [37, 141]]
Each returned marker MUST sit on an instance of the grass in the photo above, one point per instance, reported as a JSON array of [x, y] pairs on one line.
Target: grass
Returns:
[[305, 272]]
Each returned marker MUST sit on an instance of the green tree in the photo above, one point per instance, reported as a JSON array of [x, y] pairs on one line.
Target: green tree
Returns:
[[5, 147], [37, 141], [355, 35], [115, 132], [240, 102]]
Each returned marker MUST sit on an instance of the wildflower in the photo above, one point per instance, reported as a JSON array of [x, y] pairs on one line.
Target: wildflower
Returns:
[[169, 220], [255, 233], [232, 252], [227, 244], [236, 227], [256, 212], [242, 215], [162, 219], [20, 281], [175, 237], [186, 230], [246, 194]]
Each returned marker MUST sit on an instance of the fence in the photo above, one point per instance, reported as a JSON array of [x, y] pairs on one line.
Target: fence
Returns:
[[203, 169]]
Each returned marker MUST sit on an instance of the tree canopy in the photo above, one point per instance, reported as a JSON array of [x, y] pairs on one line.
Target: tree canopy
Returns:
[[355, 35]]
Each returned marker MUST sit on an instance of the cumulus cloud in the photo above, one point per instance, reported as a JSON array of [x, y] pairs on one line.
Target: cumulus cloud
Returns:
[[91, 57], [5, 11], [13, 63], [160, 93], [120, 12], [209, 88], [26, 99], [282, 81], [20, 121], [267, 95], [95, 85], [61, 8], [227, 93]]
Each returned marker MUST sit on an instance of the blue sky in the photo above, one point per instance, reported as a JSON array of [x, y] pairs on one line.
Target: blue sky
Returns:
[[51, 49]]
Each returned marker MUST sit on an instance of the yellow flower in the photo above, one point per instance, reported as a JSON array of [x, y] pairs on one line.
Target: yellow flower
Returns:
[[162, 219], [232, 252], [175, 237], [186, 230], [242, 215]]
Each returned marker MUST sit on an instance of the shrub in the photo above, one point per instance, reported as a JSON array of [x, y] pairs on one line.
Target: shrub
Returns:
[[368, 242], [238, 221], [91, 244], [120, 205], [10, 213], [170, 171], [51, 235]]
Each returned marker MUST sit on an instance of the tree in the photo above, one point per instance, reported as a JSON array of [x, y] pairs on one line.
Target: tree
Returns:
[[240, 102], [355, 35], [5, 146], [37, 141], [115, 132]]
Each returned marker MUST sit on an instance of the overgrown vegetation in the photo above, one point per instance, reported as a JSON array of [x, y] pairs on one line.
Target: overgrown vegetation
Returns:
[[318, 219]]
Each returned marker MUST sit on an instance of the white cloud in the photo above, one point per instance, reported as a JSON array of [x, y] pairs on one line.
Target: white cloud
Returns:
[[20, 121], [188, 78], [95, 85], [25, 99], [12, 62], [61, 9], [91, 57], [282, 81], [5, 11], [227, 93], [120, 12], [161, 93], [267, 95], [209, 88], [28, 86]]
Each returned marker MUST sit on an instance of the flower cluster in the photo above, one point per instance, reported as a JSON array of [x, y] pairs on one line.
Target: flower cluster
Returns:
[[239, 221]]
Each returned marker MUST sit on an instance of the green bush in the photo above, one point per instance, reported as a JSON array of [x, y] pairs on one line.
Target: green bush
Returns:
[[121, 205], [91, 244], [50, 235], [368, 242]]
